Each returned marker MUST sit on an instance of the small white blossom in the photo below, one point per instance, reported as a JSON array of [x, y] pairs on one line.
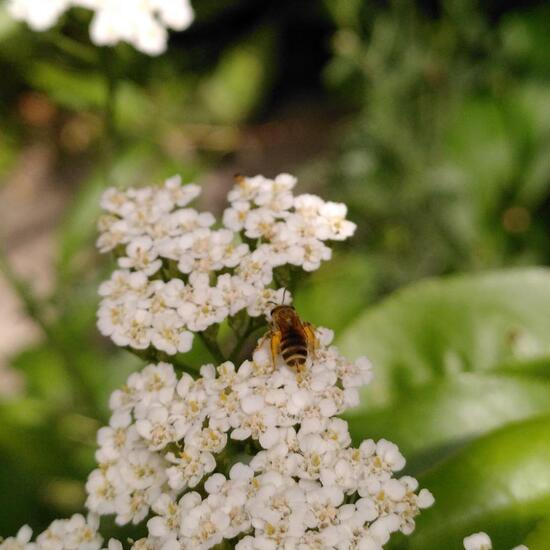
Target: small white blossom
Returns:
[[20, 541], [482, 541], [77, 532]]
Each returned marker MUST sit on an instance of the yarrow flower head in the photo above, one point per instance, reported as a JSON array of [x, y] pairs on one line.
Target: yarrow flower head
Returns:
[[250, 451], [76, 533], [180, 273], [263, 443], [141, 23]]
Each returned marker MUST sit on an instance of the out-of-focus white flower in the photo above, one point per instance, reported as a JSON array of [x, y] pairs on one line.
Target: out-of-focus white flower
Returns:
[[142, 23], [482, 541], [39, 14]]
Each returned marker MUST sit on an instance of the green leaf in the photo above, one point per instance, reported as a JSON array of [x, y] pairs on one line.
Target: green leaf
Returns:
[[500, 484], [79, 227], [456, 324], [438, 417], [325, 299], [481, 145], [238, 83], [73, 89], [539, 538], [453, 358]]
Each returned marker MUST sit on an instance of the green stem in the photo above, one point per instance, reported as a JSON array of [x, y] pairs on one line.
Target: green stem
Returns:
[[250, 329], [151, 355], [33, 306], [213, 347], [75, 49], [109, 111], [36, 310]]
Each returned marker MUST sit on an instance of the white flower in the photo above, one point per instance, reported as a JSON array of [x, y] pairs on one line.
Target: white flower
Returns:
[[76, 532], [169, 335], [235, 217], [259, 223], [314, 252], [39, 14], [19, 542], [478, 541], [203, 525], [167, 523], [156, 429], [155, 384], [390, 455], [323, 503], [235, 293], [190, 466], [102, 488], [335, 215], [142, 256], [141, 23], [115, 440]]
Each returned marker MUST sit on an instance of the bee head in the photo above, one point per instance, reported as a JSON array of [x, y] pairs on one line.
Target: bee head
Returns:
[[281, 314], [282, 310]]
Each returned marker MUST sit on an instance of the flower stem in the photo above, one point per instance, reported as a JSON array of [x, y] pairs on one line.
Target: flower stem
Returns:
[[36, 310], [109, 110], [252, 327], [151, 355], [33, 306], [75, 49], [212, 346]]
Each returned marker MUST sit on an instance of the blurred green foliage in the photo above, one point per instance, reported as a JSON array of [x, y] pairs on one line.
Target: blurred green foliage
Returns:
[[438, 146], [445, 160]]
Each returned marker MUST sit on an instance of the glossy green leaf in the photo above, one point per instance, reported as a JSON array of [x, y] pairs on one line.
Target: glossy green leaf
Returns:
[[458, 324], [499, 484], [453, 359], [438, 417], [325, 299], [539, 538]]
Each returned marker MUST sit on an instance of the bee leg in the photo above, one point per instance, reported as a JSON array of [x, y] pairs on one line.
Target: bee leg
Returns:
[[262, 339], [312, 343], [275, 344]]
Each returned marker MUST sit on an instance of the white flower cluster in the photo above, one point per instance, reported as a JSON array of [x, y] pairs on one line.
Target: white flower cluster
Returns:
[[481, 541], [76, 533], [180, 275], [271, 463], [141, 23]]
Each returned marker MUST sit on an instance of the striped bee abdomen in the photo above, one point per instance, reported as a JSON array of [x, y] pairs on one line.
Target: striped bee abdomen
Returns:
[[294, 349]]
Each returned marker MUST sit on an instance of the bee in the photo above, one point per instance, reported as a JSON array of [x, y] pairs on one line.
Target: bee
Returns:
[[293, 338]]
